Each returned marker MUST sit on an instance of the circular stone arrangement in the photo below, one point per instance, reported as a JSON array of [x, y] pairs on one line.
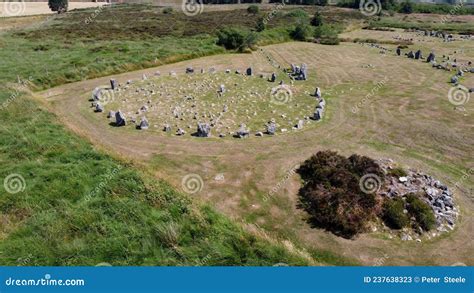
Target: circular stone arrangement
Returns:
[[211, 103]]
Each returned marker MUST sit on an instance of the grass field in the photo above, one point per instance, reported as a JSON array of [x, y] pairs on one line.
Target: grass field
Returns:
[[54, 221]]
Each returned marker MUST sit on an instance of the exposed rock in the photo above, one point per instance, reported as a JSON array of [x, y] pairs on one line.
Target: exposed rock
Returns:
[[243, 131], [113, 84], [180, 132], [271, 127], [249, 71], [143, 124], [203, 130], [317, 93], [120, 119], [431, 57], [99, 108]]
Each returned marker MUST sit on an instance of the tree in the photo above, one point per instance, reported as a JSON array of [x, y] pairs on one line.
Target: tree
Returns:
[[301, 32], [236, 39], [317, 20], [260, 25], [406, 7], [253, 9], [58, 5]]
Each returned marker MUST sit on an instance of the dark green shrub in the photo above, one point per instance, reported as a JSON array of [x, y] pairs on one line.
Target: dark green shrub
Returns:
[[317, 19], [58, 5], [253, 9], [406, 7], [421, 211], [261, 26], [301, 32], [168, 10], [393, 215], [331, 193], [236, 39], [326, 35], [299, 13], [398, 172]]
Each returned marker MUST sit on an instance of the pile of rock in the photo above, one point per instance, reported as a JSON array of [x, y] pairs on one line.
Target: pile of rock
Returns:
[[299, 73], [437, 195], [320, 107]]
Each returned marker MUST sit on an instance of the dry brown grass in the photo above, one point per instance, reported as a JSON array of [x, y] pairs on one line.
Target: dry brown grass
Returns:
[[409, 119]]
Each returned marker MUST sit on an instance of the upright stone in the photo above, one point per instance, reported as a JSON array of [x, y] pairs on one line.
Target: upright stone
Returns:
[[317, 93], [120, 119], [243, 131], [143, 124], [399, 51], [99, 108], [273, 77], [249, 71], [271, 127], [418, 55], [431, 58], [113, 84], [203, 130]]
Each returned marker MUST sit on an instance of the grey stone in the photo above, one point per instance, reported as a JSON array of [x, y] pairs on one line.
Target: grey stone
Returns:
[[243, 131], [273, 77], [189, 70], [180, 132], [120, 119], [300, 124], [431, 57], [318, 114], [113, 84], [143, 124], [317, 92], [111, 114], [271, 128], [418, 55], [203, 130], [249, 71], [99, 108], [167, 128]]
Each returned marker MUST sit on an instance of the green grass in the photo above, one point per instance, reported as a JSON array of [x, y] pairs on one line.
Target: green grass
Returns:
[[80, 206], [452, 27]]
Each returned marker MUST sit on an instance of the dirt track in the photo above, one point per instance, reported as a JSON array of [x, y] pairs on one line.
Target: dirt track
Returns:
[[408, 119]]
